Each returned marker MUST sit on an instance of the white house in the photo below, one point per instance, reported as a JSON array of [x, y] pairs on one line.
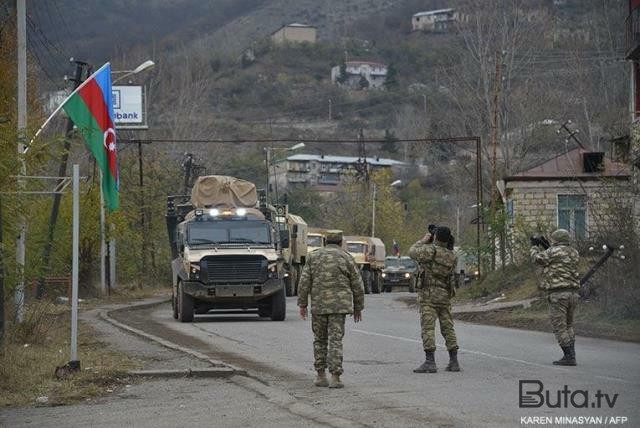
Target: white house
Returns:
[[375, 74], [435, 20]]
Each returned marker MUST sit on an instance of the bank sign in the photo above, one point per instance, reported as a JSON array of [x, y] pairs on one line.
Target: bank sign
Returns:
[[128, 107]]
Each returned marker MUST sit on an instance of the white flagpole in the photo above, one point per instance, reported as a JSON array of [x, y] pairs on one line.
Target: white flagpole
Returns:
[[74, 268], [103, 245], [46, 122]]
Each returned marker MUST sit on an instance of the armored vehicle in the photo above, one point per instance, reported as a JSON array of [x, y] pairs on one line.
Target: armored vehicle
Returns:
[[227, 250]]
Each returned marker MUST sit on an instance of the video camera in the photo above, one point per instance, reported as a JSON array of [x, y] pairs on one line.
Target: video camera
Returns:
[[540, 241]]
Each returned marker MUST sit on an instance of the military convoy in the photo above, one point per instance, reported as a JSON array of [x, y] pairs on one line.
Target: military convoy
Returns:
[[369, 254], [295, 254], [227, 250]]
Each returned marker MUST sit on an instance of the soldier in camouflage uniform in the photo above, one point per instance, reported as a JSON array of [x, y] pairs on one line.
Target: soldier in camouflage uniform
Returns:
[[560, 281], [434, 296], [333, 280]]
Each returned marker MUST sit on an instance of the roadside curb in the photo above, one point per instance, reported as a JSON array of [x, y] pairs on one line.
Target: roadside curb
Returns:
[[225, 370], [218, 372]]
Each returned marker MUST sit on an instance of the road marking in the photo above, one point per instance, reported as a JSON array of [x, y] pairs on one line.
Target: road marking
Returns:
[[485, 354]]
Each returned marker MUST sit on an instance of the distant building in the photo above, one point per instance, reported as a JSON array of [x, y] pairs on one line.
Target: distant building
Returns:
[[323, 173], [374, 73], [435, 20], [295, 33], [578, 191]]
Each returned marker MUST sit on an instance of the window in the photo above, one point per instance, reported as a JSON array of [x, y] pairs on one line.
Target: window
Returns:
[[572, 214]]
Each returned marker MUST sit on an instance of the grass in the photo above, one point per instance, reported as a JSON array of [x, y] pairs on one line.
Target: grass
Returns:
[[33, 351], [516, 282], [590, 320]]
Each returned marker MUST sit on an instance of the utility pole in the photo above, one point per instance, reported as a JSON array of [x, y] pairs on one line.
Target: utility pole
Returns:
[[21, 15], [424, 103], [62, 171], [143, 222], [373, 210], [330, 112], [1, 285], [495, 125]]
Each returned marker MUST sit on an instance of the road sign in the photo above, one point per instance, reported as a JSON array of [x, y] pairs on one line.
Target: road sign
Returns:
[[129, 107]]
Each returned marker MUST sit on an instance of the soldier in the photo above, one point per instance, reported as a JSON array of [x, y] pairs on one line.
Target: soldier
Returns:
[[434, 296], [560, 280], [333, 280]]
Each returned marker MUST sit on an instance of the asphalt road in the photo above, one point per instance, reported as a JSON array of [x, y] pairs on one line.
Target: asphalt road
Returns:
[[380, 353]]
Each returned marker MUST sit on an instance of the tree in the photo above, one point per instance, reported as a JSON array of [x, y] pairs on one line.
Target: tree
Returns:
[[391, 81], [342, 73], [363, 83], [389, 144]]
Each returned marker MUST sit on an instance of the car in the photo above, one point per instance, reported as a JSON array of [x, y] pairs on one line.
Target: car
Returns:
[[399, 271]]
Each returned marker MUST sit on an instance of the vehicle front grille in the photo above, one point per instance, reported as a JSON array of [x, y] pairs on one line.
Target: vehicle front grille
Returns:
[[396, 276], [233, 269]]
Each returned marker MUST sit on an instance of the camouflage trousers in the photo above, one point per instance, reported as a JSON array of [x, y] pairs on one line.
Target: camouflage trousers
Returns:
[[328, 331], [562, 305], [429, 313]]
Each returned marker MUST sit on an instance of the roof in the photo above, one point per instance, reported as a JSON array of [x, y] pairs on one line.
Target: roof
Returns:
[[433, 12], [370, 63], [344, 159], [296, 25], [569, 165]]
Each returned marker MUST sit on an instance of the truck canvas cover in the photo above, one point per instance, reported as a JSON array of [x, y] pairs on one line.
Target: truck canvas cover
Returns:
[[214, 191]]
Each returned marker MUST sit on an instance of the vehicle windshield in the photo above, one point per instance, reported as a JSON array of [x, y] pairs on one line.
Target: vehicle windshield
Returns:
[[314, 241], [228, 232], [403, 263], [355, 247]]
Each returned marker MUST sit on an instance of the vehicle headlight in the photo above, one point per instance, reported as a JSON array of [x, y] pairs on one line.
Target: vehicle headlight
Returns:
[[476, 273], [241, 212], [214, 212], [194, 271], [407, 275], [384, 275]]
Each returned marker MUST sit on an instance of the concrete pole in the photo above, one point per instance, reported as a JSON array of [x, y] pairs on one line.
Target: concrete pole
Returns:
[[74, 267], [112, 259], [373, 211], [21, 10]]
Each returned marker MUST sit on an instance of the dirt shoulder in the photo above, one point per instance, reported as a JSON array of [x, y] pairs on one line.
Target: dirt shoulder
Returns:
[[590, 321]]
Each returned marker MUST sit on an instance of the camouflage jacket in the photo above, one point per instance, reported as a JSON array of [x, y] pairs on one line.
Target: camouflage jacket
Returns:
[[438, 264], [559, 267], [331, 277]]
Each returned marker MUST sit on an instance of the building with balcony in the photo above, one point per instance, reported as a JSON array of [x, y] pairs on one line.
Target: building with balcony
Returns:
[[374, 73], [435, 20], [323, 172]]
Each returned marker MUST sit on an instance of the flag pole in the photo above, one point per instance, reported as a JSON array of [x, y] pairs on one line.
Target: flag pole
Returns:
[[74, 364], [46, 122], [103, 246]]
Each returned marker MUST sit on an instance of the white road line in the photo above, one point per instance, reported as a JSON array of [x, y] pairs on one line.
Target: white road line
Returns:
[[484, 354]]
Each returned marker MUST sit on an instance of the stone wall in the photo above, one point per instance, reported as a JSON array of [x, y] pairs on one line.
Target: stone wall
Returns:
[[535, 203], [635, 152]]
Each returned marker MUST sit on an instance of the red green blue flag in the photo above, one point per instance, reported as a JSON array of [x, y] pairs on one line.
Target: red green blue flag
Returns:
[[91, 108]]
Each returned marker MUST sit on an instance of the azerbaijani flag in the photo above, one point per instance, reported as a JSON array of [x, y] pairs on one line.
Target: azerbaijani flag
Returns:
[[91, 109]]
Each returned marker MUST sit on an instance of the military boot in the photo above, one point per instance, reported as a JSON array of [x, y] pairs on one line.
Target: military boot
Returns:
[[453, 365], [335, 381], [429, 365], [569, 358], [321, 379]]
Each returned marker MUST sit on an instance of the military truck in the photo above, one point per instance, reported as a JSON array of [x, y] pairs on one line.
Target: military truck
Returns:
[[295, 228], [316, 239], [226, 250], [369, 254], [399, 271]]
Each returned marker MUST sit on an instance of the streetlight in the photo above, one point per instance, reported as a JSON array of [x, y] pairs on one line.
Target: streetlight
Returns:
[[142, 67], [267, 151], [395, 184]]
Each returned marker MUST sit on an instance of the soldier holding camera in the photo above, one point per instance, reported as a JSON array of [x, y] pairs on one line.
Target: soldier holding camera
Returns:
[[434, 295], [559, 263]]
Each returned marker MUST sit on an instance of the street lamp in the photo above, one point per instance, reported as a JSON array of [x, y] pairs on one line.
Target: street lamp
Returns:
[[267, 151], [142, 67]]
